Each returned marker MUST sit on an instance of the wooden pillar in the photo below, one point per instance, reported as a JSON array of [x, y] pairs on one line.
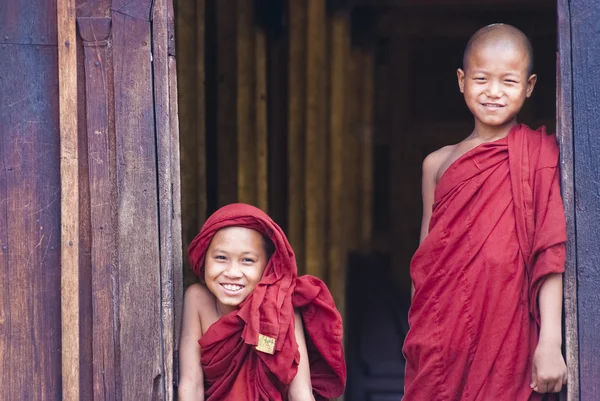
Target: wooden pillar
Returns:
[[297, 14], [351, 147], [262, 139], [67, 92], [339, 49], [366, 149]]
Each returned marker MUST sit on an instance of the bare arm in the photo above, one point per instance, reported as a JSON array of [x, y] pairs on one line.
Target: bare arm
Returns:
[[191, 381], [430, 167], [549, 372], [301, 387]]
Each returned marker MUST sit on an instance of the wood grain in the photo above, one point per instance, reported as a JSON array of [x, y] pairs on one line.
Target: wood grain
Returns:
[[296, 129], [564, 98], [262, 138], [138, 250], [28, 22], [30, 224], [101, 158], [164, 149], [316, 143], [339, 49], [585, 40], [69, 183]]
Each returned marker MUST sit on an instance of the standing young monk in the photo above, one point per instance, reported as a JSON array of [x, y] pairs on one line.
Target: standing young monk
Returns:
[[254, 330], [485, 320]]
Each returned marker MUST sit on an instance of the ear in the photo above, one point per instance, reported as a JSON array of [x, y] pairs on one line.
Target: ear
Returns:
[[460, 74], [531, 84]]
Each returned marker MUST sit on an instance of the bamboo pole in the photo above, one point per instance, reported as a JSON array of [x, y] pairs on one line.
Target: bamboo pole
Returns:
[[67, 93]]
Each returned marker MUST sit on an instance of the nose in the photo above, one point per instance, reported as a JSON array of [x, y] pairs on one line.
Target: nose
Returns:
[[494, 89], [233, 271]]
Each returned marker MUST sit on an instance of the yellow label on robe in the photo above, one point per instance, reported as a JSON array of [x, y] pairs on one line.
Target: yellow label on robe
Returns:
[[266, 344]]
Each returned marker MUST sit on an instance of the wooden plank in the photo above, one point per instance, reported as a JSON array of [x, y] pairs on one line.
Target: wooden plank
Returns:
[[339, 49], [365, 141], [69, 180], [138, 251], [585, 42], [101, 151], [227, 169], [162, 121], [30, 236], [141, 9], [316, 143], [564, 127], [262, 138], [177, 254], [296, 129], [245, 102], [28, 22]]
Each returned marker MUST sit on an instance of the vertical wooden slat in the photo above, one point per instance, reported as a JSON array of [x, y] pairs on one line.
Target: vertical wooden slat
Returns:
[[67, 84], [100, 136], [227, 154], [316, 143], [564, 98], [296, 124], [351, 150], [246, 123], [585, 41], [138, 248], [160, 72], [366, 149], [262, 188], [338, 50]]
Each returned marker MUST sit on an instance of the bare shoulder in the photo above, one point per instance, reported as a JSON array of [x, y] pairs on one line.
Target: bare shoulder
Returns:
[[434, 160], [196, 296]]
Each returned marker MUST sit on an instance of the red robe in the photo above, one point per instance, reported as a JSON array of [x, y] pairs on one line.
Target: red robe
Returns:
[[497, 230], [233, 368]]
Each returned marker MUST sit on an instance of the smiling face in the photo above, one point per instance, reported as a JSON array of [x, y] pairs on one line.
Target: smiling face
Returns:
[[496, 82], [234, 265]]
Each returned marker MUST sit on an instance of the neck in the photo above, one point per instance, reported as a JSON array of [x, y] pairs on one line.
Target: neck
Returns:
[[489, 133], [223, 310]]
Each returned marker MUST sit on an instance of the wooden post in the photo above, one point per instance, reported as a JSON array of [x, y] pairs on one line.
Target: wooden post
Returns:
[[262, 149], [245, 101], [564, 98], [337, 206], [296, 124], [67, 91], [366, 149], [316, 143]]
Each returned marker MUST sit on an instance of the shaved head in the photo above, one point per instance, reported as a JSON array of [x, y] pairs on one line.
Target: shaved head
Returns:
[[499, 36]]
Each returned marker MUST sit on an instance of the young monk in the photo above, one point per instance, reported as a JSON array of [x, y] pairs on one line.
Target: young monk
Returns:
[[253, 330], [485, 320]]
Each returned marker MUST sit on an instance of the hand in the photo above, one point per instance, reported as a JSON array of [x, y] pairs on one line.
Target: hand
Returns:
[[548, 372]]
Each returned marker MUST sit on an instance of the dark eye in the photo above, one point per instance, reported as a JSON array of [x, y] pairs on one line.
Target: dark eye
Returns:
[[479, 79], [220, 257], [248, 260], [510, 81]]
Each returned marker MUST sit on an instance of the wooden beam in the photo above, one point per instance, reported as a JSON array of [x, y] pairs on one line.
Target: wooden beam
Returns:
[[67, 91], [246, 102], [262, 148], [296, 125], [365, 141], [316, 143], [339, 49], [564, 98]]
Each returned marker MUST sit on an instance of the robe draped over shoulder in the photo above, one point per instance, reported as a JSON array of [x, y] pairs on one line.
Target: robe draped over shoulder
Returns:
[[496, 231], [233, 368]]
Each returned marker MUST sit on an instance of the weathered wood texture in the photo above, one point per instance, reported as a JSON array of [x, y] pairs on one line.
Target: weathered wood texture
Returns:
[[69, 177], [585, 42], [564, 126], [30, 223]]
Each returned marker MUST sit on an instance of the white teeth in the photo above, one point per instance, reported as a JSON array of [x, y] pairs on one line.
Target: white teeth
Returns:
[[232, 287]]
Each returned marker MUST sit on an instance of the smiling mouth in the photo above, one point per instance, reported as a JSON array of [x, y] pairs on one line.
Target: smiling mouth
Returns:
[[233, 287], [492, 105]]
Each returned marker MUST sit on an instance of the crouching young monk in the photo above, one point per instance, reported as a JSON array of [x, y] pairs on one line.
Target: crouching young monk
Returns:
[[254, 330], [485, 320]]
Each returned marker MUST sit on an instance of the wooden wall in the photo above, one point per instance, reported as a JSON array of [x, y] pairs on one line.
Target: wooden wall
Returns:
[[282, 122], [89, 200]]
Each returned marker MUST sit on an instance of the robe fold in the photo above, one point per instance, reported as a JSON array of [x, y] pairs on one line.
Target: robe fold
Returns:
[[233, 368], [497, 230]]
